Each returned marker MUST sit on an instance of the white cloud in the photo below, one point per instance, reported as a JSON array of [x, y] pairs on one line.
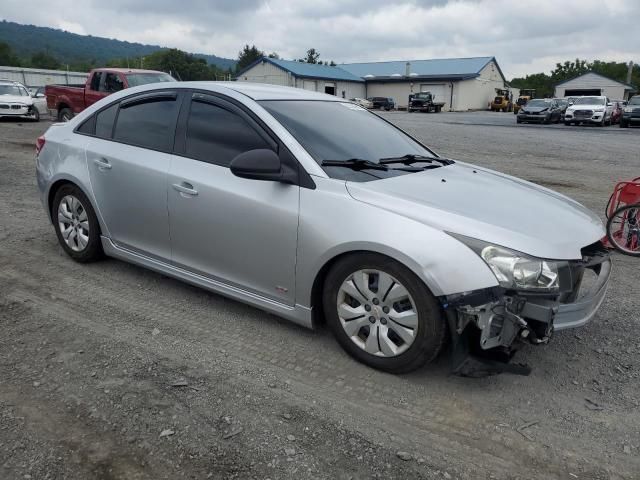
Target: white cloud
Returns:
[[526, 37]]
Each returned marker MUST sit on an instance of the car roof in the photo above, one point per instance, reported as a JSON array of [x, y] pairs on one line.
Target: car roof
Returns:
[[127, 70], [260, 91]]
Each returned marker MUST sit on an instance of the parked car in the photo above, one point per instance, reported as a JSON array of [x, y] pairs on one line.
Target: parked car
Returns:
[[15, 101], [592, 109], [631, 113], [424, 102], [540, 110], [382, 103], [39, 99], [314, 209], [65, 101], [563, 104], [363, 102]]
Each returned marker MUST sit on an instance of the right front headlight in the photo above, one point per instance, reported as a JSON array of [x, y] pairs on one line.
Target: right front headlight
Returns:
[[516, 270]]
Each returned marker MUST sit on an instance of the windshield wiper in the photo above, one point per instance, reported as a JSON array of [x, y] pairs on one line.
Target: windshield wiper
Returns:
[[355, 163], [410, 158]]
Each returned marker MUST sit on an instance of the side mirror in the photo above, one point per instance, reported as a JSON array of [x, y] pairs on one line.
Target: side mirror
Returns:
[[40, 95], [609, 104], [259, 164]]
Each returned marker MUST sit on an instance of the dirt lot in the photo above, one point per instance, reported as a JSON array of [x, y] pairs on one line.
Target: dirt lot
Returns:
[[109, 371]]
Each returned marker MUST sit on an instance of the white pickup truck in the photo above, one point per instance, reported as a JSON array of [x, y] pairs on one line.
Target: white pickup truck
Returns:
[[596, 110]]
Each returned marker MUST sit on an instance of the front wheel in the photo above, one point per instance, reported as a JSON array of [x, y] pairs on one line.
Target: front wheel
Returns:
[[623, 230], [623, 124], [382, 314], [35, 115], [76, 224]]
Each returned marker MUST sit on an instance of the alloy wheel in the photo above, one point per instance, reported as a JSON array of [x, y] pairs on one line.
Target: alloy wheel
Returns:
[[73, 223], [377, 313]]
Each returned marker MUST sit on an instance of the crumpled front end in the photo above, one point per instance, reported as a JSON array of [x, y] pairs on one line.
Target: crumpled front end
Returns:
[[488, 326]]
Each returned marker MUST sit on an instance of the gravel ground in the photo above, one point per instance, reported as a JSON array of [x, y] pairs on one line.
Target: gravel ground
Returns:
[[110, 371]]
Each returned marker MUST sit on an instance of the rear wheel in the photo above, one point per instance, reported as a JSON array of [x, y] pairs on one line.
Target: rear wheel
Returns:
[[76, 224], [623, 230], [382, 314], [567, 123], [65, 115]]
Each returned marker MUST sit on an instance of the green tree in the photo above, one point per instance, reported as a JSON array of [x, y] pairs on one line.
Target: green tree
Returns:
[[44, 60], [7, 57], [247, 56], [313, 56]]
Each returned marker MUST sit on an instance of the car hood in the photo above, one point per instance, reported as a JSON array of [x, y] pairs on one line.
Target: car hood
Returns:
[[489, 206], [534, 109], [16, 99], [585, 107]]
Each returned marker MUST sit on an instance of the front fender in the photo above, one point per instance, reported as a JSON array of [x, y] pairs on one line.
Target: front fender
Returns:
[[333, 223]]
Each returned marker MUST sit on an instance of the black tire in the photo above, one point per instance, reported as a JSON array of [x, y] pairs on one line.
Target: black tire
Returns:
[[93, 250], [567, 123], [612, 241], [65, 115], [36, 115], [432, 328], [518, 120], [623, 124]]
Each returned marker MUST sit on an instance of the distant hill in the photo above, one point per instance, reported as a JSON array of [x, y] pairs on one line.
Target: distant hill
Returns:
[[67, 47]]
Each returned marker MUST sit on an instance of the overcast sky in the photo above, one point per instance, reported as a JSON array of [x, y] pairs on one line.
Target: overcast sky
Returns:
[[524, 38]]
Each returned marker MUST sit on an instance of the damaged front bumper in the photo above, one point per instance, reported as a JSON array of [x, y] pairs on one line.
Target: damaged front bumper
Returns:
[[488, 326]]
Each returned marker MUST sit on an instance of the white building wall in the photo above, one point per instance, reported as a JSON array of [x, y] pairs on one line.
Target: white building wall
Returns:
[[400, 91], [477, 93], [593, 81], [36, 77], [266, 72]]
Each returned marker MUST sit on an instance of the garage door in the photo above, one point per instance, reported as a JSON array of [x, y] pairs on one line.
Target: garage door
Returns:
[[439, 90], [309, 85]]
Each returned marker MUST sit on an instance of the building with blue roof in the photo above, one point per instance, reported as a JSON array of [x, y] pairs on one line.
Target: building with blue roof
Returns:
[[461, 83]]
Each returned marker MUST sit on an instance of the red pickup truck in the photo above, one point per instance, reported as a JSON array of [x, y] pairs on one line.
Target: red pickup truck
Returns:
[[65, 101]]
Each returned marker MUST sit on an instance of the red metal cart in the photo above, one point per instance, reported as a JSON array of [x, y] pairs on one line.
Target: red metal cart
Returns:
[[623, 218]]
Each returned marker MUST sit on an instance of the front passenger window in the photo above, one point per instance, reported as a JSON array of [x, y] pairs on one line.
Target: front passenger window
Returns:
[[216, 135]]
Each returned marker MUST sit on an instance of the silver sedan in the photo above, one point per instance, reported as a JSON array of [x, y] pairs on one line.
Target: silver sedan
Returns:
[[317, 210]]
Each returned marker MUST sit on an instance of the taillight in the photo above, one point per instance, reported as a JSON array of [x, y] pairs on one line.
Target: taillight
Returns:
[[39, 144]]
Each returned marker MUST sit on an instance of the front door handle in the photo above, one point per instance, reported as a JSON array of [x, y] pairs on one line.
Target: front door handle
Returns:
[[102, 163], [185, 188]]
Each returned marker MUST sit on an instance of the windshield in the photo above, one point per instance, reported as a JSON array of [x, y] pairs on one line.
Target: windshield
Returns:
[[589, 101], [538, 103], [13, 90], [342, 131], [634, 101], [423, 95], [135, 79]]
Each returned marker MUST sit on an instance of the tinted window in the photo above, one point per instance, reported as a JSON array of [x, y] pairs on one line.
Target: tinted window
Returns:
[[216, 135], [95, 81], [150, 124], [112, 83], [89, 126], [104, 121]]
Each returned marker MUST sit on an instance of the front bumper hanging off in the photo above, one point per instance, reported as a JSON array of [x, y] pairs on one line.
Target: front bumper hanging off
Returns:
[[488, 326]]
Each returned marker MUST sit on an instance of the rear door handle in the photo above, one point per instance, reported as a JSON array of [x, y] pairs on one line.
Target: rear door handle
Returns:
[[185, 188], [102, 163]]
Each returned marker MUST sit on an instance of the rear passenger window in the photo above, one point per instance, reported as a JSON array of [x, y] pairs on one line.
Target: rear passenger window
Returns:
[[216, 135], [150, 124], [104, 121]]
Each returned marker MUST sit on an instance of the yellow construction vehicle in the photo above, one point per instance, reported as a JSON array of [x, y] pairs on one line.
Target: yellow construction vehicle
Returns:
[[502, 101], [526, 94]]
